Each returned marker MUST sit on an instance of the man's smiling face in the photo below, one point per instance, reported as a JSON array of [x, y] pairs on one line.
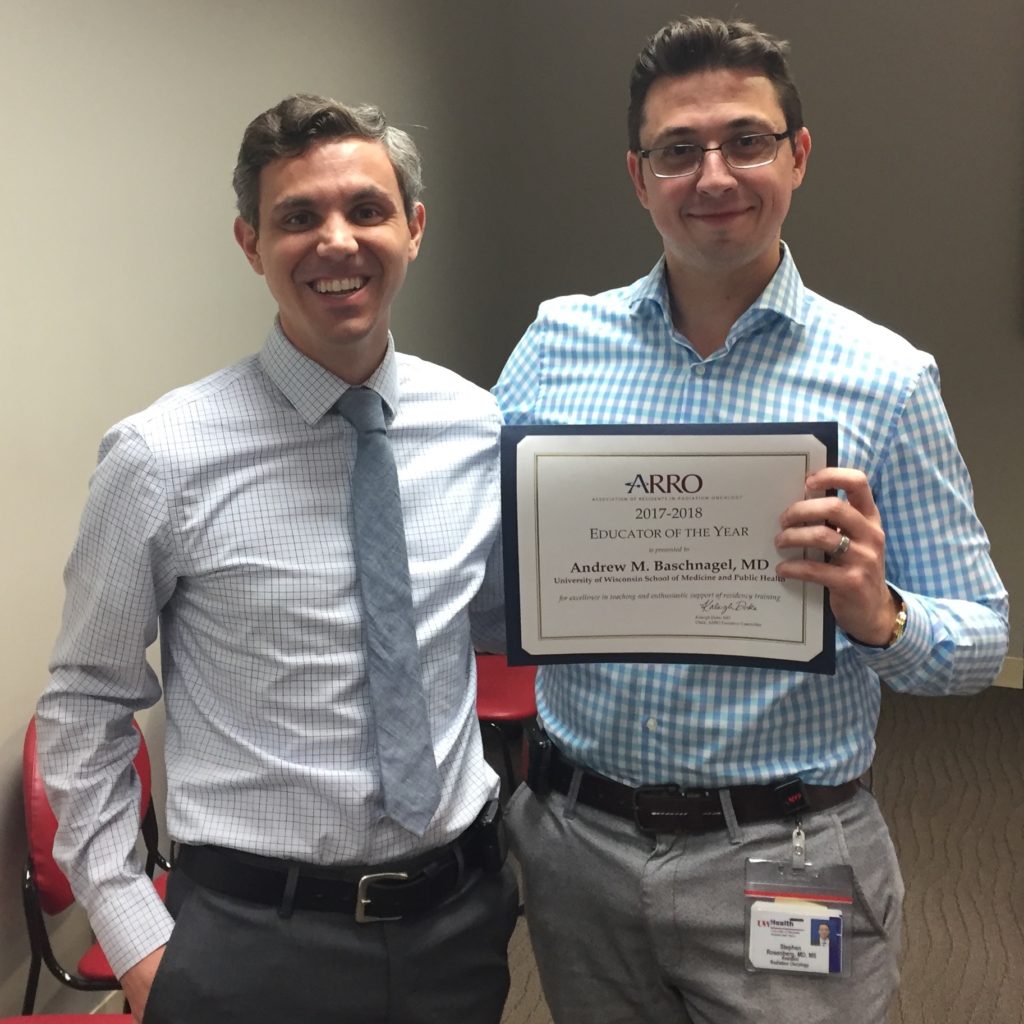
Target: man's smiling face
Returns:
[[719, 221], [334, 243]]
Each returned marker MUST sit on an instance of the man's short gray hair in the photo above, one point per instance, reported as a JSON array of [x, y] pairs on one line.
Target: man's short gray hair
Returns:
[[297, 123]]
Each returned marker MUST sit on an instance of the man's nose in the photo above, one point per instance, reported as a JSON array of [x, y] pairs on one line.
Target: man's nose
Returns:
[[336, 237], [715, 175]]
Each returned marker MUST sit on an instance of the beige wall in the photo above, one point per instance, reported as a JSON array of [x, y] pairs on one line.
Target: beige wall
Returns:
[[121, 280]]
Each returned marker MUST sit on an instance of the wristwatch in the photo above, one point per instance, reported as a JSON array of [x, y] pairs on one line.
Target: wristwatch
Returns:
[[900, 625]]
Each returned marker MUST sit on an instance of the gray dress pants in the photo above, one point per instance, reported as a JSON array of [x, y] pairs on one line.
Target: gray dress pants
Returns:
[[631, 928]]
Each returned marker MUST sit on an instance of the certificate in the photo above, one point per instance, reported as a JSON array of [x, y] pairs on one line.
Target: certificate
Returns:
[[656, 543]]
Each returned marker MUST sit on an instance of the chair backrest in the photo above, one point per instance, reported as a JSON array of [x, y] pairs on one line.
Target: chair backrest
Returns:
[[52, 886], [504, 691]]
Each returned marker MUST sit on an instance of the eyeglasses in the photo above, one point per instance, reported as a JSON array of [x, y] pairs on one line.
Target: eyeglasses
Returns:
[[741, 154]]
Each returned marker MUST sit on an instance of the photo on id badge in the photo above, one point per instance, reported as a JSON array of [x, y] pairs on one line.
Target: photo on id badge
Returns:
[[827, 935]]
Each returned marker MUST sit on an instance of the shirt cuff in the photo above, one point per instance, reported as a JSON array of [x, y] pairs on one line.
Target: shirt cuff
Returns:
[[909, 651], [131, 924]]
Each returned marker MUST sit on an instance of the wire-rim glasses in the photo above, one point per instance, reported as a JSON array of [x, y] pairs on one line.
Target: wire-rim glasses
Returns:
[[742, 153]]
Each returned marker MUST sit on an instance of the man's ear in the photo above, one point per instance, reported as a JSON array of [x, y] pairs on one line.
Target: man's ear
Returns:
[[248, 239], [635, 166], [417, 222], [801, 153]]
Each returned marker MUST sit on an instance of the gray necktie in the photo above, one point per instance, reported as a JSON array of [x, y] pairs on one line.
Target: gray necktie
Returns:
[[409, 776]]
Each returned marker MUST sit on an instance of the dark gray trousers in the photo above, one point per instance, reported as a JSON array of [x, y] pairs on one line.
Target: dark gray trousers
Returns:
[[232, 962]]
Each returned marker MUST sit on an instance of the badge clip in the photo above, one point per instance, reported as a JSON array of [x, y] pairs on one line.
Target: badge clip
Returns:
[[799, 858]]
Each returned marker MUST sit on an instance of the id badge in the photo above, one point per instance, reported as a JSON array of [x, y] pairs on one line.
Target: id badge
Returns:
[[799, 915]]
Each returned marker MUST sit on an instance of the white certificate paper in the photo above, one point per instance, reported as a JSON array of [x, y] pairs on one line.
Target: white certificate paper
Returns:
[[657, 544]]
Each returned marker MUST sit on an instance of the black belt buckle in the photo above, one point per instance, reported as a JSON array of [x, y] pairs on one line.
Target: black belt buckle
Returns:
[[791, 796], [671, 809]]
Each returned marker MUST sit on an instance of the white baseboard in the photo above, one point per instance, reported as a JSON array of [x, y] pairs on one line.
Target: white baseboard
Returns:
[[1011, 674], [113, 1002]]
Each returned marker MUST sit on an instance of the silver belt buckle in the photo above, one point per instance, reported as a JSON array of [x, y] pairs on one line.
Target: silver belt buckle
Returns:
[[363, 901]]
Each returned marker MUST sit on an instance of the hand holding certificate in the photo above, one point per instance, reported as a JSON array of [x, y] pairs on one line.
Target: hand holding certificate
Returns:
[[657, 544]]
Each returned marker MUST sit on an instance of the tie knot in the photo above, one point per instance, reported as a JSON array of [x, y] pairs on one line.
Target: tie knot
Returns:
[[364, 409]]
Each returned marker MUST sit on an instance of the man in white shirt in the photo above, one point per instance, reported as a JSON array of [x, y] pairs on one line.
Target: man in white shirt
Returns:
[[224, 514]]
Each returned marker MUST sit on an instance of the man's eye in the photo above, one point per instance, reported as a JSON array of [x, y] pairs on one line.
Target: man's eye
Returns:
[[368, 214], [749, 141], [301, 219], [682, 151]]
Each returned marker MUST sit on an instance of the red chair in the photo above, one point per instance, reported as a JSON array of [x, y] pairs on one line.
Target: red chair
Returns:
[[505, 697], [45, 890]]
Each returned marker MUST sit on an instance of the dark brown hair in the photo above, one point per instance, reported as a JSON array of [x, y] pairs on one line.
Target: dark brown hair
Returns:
[[704, 44]]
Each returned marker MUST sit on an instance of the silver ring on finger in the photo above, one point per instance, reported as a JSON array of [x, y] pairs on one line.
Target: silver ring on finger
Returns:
[[842, 547]]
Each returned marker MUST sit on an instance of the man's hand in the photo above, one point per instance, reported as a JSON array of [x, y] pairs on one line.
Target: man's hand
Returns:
[[137, 981], [863, 605]]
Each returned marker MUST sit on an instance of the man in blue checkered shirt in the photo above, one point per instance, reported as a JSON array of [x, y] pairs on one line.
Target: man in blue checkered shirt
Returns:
[[635, 926]]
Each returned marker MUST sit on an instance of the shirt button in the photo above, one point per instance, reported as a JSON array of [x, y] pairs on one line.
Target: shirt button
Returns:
[[652, 724], [699, 369]]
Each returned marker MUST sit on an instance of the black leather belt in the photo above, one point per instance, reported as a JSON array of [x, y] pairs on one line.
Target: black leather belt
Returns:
[[671, 809], [385, 893]]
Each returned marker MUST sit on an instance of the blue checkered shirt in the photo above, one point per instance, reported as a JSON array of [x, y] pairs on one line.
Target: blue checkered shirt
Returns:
[[792, 356], [223, 513]]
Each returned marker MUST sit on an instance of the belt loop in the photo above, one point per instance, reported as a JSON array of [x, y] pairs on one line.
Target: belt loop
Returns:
[[287, 904], [570, 797], [729, 813], [460, 860]]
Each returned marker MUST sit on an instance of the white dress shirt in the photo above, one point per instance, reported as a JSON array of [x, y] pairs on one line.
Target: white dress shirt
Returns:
[[222, 514]]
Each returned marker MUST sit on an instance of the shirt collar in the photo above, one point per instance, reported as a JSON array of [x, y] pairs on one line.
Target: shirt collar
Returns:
[[313, 390], [652, 288], [784, 294]]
